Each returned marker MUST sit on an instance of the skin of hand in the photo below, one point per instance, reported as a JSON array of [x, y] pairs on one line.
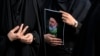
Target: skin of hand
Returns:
[[19, 33], [68, 18], [52, 40]]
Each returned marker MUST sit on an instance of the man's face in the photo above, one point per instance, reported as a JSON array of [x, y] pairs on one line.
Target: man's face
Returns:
[[52, 22]]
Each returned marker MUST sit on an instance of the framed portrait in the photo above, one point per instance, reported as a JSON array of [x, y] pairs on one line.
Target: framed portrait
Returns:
[[53, 23]]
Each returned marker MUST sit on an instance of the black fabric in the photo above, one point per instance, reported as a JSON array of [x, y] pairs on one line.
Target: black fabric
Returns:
[[88, 44], [13, 13], [78, 9], [39, 13]]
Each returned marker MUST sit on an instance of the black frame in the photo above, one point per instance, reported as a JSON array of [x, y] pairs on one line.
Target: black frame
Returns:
[[57, 15]]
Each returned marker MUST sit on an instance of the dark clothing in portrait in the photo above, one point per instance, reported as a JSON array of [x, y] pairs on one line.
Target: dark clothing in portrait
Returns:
[[89, 43], [78, 9], [13, 13]]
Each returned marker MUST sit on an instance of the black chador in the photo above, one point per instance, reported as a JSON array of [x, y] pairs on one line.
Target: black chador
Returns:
[[78, 9], [88, 44], [13, 13]]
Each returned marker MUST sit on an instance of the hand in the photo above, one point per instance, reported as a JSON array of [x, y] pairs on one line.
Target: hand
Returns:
[[28, 38], [69, 19], [12, 35], [19, 33], [52, 40]]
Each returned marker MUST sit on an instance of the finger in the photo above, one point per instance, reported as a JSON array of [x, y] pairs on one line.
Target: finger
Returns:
[[63, 12], [56, 44], [65, 15], [15, 29], [24, 30], [27, 35], [52, 36], [63, 18], [29, 39], [21, 27], [48, 35], [24, 39], [56, 39]]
